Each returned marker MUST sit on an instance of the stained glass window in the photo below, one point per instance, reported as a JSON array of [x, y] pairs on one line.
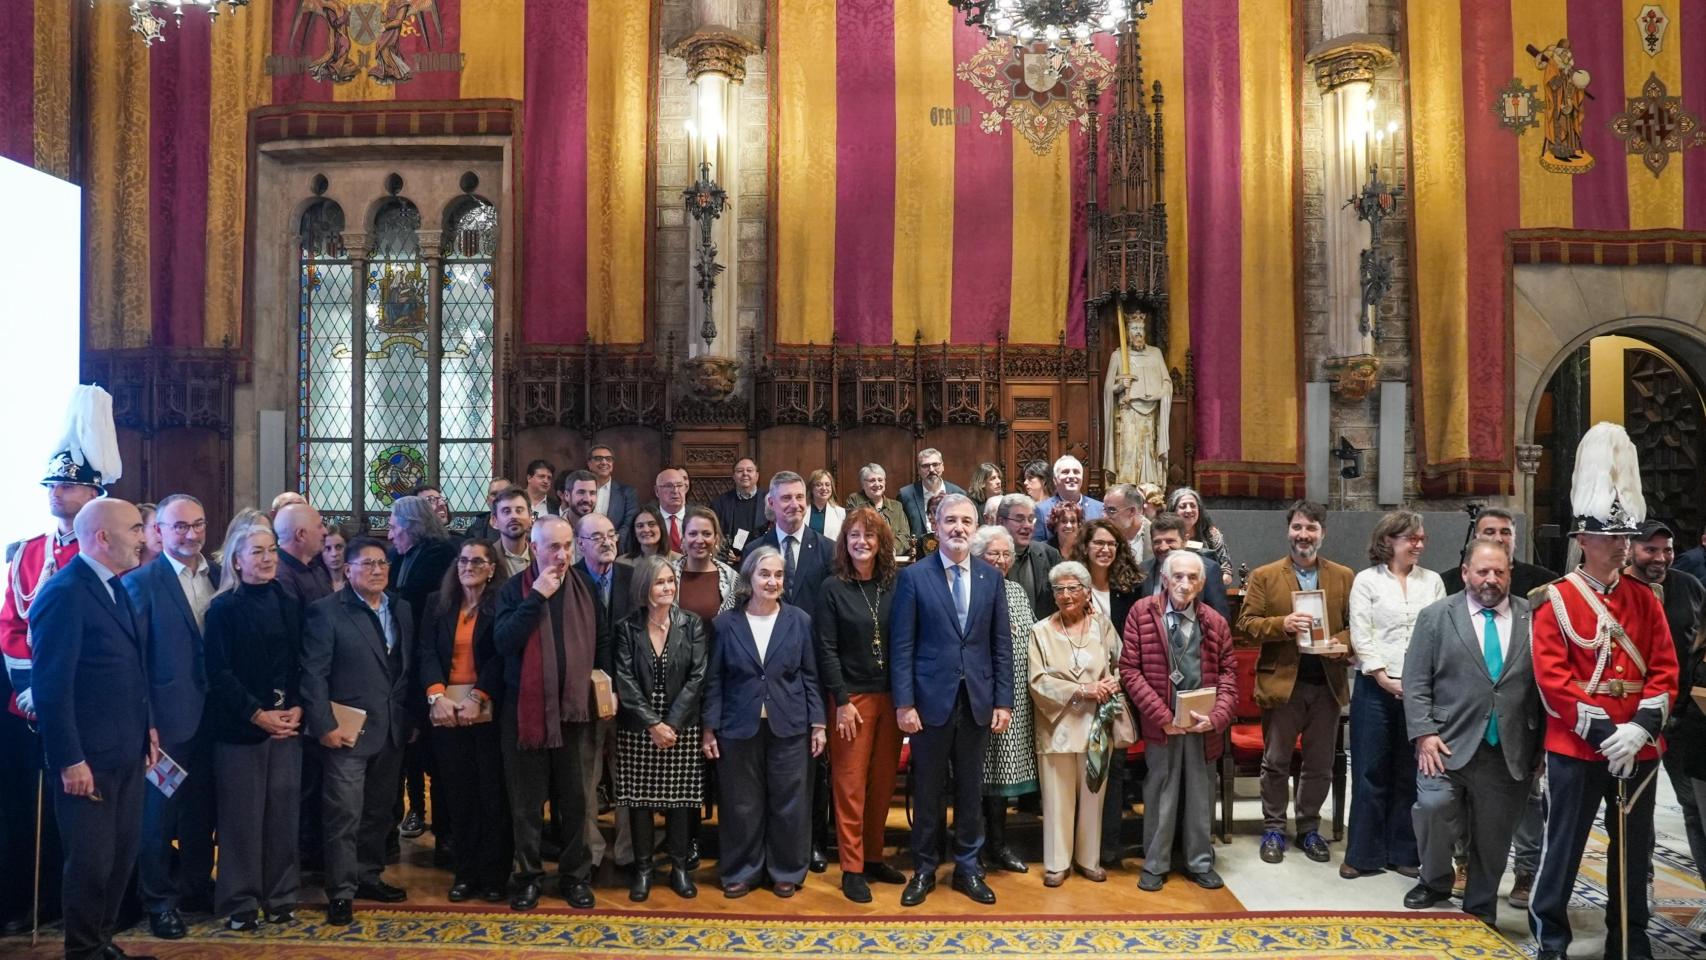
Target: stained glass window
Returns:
[[355, 458]]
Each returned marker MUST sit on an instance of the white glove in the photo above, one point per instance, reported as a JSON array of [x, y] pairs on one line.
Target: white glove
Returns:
[[1624, 742], [27, 701], [1623, 768]]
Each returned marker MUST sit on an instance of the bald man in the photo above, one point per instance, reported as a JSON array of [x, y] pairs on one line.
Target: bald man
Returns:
[[301, 570], [91, 695]]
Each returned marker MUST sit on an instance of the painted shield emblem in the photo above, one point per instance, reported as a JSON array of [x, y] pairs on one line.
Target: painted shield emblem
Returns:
[[365, 21], [1041, 74], [1651, 23]]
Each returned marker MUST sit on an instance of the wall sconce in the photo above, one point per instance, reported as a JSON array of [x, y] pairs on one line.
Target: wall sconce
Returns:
[[1350, 459], [1377, 200]]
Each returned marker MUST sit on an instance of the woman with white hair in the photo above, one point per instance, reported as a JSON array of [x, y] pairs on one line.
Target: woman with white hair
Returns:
[[1073, 661], [1010, 760]]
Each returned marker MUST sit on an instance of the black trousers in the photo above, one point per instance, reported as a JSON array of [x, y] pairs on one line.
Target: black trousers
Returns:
[[476, 804], [536, 775], [958, 744], [356, 801], [1114, 806], [1575, 789], [166, 874], [21, 759], [101, 838], [765, 820], [678, 825], [310, 838]]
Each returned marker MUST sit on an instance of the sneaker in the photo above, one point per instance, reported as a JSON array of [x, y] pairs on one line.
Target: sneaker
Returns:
[[247, 921]]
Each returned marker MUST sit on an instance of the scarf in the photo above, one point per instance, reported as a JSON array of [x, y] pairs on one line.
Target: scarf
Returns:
[[551, 694]]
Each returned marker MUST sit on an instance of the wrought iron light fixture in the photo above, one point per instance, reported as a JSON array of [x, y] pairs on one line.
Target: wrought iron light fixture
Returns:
[[1058, 22], [148, 17], [705, 201], [1377, 200]]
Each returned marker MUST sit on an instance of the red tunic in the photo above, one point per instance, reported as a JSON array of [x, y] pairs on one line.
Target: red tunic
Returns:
[[1578, 721], [30, 567]]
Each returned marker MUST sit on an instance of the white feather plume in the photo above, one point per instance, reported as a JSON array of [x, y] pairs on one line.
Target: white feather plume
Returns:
[[1607, 469], [89, 434]]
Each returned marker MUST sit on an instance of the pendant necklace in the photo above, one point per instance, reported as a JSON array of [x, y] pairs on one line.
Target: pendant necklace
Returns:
[[876, 624]]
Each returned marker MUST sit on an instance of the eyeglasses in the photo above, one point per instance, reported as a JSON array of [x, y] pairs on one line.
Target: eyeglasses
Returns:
[[1416, 539], [434, 498], [1067, 588], [1103, 544], [599, 537], [672, 486], [180, 528], [473, 562], [370, 564], [602, 458]]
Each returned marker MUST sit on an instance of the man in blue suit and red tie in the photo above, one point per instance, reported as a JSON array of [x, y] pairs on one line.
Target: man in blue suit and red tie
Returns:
[[952, 675]]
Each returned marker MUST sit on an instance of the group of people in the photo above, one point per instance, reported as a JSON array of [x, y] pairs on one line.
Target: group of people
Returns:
[[768, 653]]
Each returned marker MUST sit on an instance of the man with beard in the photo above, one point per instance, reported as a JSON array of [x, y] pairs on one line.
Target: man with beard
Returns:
[[1651, 561], [1299, 693], [1608, 675], [579, 497], [1473, 712], [915, 497], [512, 518], [481, 528]]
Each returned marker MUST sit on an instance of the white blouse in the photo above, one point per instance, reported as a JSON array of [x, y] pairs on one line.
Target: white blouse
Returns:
[[1383, 614]]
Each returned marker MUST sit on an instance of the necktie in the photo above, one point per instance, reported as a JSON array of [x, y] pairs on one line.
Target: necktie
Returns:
[[790, 558], [604, 588], [674, 535], [961, 607], [1495, 666], [121, 599]]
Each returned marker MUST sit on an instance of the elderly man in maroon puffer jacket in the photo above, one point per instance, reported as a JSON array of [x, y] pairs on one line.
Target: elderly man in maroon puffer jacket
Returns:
[[1176, 643]]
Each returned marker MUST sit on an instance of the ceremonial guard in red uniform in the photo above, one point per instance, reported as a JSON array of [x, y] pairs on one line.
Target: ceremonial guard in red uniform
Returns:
[[1607, 672], [70, 483]]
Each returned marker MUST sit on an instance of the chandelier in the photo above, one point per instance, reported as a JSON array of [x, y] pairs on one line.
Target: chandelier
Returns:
[[1057, 22], [148, 17]]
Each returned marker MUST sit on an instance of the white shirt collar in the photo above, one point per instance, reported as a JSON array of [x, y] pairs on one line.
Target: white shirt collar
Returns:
[[1500, 612], [947, 562], [179, 568], [101, 570]]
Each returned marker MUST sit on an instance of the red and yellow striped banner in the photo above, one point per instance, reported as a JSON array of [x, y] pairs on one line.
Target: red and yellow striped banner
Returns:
[[1474, 181]]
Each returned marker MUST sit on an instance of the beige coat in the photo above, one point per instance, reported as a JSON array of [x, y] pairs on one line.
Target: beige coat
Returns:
[[1062, 725]]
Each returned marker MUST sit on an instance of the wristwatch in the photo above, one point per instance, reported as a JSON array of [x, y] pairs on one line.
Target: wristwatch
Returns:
[[433, 698]]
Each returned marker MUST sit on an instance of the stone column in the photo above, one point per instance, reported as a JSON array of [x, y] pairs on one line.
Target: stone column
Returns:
[[716, 66], [1527, 467]]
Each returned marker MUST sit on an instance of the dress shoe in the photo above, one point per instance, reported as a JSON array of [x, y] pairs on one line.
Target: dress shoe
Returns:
[[1002, 858], [880, 872], [1522, 890], [1314, 847], [973, 887], [736, 890], [640, 890], [247, 921], [1150, 882], [460, 891], [525, 897], [412, 826], [681, 881], [1273, 847], [692, 854], [784, 889], [854, 887], [1054, 878], [495, 893], [280, 917], [818, 863], [917, 889], [1405, 871], [166, 925], [340, 912], [1422, 896], [1348, 872], [381, 891], [578, 893], [1208, 880], [1093, 874]]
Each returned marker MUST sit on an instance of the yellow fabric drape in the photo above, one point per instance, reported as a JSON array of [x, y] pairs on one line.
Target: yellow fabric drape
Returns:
[[803, 108], [618, 100], [237, 85], [117, 303], [923, 282]]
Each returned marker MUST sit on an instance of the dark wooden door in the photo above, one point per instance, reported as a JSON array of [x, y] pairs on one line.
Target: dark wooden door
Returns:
[[1661, 410]]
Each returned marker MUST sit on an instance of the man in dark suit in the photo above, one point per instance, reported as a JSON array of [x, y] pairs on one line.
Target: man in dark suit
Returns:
[[611, 584], [357, 651], [91, 697], [1497, 523], [952, 675], [425, 551], [740, 509], [1472, 708], [915, 497], [170, 596], [1166, 534], [616, 499], [805, 563], [1032, 558], [539, 478]]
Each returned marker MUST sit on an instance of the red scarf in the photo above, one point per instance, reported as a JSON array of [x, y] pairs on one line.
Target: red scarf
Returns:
[[554, 693]]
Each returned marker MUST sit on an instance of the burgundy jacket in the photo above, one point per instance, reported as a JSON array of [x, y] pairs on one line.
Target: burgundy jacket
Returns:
[[1144, 670]]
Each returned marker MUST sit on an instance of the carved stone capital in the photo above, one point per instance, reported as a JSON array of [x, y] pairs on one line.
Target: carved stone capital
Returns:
[[1528, 458], [714, 50], [356, 245], [1348, 59], [1353, 377], [432, 243]]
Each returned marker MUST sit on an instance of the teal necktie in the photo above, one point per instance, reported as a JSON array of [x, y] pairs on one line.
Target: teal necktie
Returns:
[[1495, 666]]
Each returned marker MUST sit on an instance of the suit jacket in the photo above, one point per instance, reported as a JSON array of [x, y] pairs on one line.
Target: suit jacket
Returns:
[[177, 657], [1448, 689], [1267, 600], [811, 565], [419, 573], [436, 645], [90, 685], [784, 685], [687, 659], [624, 505], [912, 499], [344, 660], [1692, 561], [1030, 570], [480, 528], [930, 657], [1213, 587], [621, 604]]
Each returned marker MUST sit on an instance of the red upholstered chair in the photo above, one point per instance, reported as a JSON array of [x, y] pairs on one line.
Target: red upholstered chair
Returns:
[[1243, 754]]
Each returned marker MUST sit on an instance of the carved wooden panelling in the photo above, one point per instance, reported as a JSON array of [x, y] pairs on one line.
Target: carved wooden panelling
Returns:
[[1029, 445], [1032, 408]]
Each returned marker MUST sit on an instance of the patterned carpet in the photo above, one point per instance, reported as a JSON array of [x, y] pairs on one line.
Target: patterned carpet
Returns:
[[479, 935]]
